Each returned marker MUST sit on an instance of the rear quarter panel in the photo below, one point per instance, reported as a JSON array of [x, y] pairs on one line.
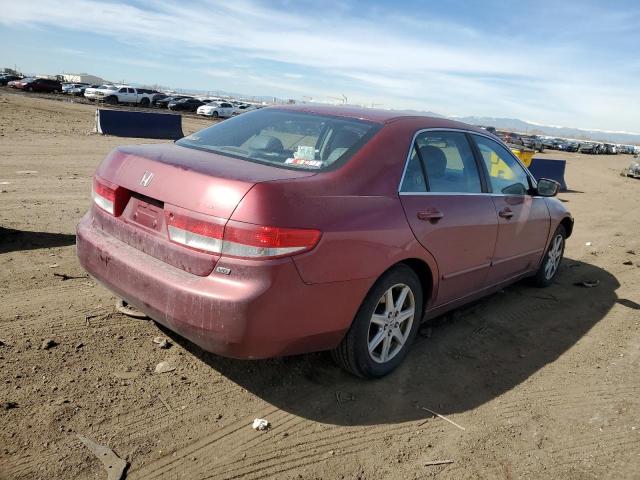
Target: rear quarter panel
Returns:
[[357, 208]]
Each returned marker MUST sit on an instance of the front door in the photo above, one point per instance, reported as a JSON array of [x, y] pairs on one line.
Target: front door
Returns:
[[523, 218], [453, 219]]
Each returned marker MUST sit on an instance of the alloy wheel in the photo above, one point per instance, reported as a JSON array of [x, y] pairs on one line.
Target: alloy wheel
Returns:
[[554, 257], [391, 323]]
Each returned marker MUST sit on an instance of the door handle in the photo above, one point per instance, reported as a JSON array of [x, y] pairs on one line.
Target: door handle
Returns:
[[506, 212], [431, 214]]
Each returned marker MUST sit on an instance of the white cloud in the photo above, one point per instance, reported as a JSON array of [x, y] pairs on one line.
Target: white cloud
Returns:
[[399, 60]]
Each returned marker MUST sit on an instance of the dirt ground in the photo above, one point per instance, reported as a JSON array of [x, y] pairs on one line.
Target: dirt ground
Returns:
[[545, 382]]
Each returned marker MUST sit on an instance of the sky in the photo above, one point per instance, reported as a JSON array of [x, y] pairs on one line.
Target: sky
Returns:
[[570, 63]]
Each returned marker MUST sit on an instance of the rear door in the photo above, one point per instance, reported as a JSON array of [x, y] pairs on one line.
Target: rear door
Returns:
[[226, 109], [523, 218], [449, 212]]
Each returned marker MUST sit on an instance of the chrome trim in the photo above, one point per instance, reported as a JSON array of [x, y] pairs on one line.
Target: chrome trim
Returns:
[[471, 132], [455, 194], [449, 276], [516, 257]]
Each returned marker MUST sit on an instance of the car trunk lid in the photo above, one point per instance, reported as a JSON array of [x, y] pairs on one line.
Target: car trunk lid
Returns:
[[157, 182]]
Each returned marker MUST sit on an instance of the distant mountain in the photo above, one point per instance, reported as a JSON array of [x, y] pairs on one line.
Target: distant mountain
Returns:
[[510, 124], [520, 126]]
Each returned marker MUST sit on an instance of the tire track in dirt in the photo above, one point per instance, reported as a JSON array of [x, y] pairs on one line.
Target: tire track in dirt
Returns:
[[278, 454]]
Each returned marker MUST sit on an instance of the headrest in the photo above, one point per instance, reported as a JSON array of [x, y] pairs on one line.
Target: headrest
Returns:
[[435, 160], [266, 142]]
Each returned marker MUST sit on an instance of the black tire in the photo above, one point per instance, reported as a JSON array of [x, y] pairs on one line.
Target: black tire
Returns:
[[215, 114], [353, 352], [144, 102], [542, 278], [111, 100]]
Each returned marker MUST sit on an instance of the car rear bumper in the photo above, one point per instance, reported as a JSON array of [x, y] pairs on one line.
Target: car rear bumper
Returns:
[[262, 309]]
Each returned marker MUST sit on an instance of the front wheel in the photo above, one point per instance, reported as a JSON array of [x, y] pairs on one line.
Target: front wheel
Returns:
[[215, 114], [384, 327], [144, 102], [552, 259]]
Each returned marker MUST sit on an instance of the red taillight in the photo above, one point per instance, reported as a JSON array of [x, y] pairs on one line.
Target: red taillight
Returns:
[[108, 196], [260, 241], [237, 239], [195, 232]]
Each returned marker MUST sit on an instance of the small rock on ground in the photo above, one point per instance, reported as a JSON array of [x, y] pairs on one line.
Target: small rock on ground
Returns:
[[48, 343]]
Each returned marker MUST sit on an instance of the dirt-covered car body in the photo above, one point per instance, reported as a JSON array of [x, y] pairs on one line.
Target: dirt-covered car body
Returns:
[[265, 240]]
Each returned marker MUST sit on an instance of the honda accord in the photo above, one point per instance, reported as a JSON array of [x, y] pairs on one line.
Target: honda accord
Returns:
[[304, 228]]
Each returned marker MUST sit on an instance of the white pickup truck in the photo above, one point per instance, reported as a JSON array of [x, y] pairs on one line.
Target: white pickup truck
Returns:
[[124, 94]]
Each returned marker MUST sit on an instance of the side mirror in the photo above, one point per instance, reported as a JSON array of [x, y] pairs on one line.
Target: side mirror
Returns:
[[547, 188]]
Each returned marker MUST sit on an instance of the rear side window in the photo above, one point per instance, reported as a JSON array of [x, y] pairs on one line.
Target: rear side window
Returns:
[[285, 138], [448, 162], [506, 175]]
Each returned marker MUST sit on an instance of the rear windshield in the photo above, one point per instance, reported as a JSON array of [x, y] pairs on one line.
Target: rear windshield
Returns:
[[293, 140]]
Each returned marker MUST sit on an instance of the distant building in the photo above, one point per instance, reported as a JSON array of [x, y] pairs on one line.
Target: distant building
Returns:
[[81, 78], [9, 71]]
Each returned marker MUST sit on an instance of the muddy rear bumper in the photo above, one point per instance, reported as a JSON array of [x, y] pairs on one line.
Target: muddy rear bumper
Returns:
[[262, 309]]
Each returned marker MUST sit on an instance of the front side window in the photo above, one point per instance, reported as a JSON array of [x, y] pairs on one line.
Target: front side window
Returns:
[[506, 175], [285, 138], [448, 162]]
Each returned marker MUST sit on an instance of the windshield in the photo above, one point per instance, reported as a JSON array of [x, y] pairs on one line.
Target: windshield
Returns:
[[284, 138]]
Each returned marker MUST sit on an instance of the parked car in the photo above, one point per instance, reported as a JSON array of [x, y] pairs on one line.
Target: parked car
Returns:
[[243, 109], [510, 138], [217, 109], [533, 142], [5, 79], [571, 146], [587, 147], [271, 243], [90, 92], [41, 85], [80, 89], [69, 87], [626, 149], [164, 102], [18, 84], [185, 104], [551, 143], [115, 94]]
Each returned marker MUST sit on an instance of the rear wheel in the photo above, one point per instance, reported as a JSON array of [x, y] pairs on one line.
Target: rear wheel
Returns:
[[552, 259], [384, 327]]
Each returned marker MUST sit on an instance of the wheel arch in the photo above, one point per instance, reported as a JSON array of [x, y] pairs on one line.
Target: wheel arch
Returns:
[[425, 275], [567, 223]]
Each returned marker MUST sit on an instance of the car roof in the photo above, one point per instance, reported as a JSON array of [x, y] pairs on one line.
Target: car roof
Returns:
[[380, 116]]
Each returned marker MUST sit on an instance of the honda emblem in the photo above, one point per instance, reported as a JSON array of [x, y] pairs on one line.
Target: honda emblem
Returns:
[[147, 176]]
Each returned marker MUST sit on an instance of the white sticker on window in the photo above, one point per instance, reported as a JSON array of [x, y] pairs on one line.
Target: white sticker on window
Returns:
[[304, 163], [305, 153]]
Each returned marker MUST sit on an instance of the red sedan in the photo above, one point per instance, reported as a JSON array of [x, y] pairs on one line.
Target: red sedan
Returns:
[[297, 229]]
